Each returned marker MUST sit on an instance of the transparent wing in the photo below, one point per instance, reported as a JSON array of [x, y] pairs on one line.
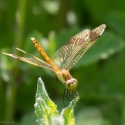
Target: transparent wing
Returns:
[[33, 60], [68, 55], [64, 55]]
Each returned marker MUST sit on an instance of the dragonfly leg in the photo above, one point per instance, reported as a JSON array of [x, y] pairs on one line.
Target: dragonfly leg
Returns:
[[75, 93], [66, 94]]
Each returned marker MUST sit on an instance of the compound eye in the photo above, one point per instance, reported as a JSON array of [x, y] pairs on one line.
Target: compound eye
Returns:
[[71, 84]]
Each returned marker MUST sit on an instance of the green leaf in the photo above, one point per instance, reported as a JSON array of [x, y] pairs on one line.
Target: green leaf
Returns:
[[67, 113], [116, 20], [112, 74], [52, 43], [91, 116], [46, 110], [99, 11]]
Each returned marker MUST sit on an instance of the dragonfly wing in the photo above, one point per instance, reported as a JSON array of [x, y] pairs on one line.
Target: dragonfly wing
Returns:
[[33, 60], [64, 55], [90, 40], [68, 55]]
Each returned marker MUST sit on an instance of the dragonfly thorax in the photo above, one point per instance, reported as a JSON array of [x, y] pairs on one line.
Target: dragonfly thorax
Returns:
[[65, 77]]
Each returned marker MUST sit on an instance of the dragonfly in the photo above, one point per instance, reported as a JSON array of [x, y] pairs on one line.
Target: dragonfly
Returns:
[[64, 58]]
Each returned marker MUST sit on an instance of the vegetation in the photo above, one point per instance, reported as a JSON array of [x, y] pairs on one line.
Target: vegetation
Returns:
[[100, 73]]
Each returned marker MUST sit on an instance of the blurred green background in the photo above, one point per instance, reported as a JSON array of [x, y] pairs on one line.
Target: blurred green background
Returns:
[[100, 73]]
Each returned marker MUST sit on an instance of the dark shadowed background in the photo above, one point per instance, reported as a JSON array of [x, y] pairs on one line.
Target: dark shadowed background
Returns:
[[100, 73]]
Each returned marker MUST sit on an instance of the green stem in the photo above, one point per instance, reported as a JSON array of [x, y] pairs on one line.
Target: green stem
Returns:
[[10, 103], [64, 8], [11, 91], [20, 19]]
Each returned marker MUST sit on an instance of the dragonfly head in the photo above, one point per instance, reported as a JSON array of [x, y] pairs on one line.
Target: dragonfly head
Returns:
[[71, 84]]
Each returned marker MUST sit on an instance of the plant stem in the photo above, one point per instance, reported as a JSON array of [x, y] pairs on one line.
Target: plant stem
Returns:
[[11, 91], [64, 8], [20, 19]]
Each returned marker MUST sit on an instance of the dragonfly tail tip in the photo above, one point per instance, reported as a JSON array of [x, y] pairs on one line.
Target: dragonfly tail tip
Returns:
[[32, 38]]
